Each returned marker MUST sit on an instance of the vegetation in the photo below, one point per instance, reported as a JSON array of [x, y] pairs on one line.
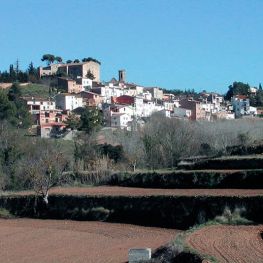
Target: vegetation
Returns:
[[251, 179], [4, 213], [37, 90], [13, 109], [239, 88], [15, 74], [49, 58]]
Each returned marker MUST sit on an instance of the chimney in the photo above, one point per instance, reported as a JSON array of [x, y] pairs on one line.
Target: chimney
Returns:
[[122, 75]]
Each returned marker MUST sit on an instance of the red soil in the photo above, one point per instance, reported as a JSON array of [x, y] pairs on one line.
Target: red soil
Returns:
[[40, 241], [127, 191], [233, 244]]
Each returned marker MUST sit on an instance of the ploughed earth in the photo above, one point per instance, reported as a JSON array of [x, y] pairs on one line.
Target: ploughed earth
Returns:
[[55, 241], [130, 191], [232, 244]]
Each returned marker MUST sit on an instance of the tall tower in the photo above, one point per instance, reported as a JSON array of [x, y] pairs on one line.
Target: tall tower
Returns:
[[122, 75]]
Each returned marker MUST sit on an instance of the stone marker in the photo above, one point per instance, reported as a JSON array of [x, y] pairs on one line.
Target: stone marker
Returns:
[[139, 254]]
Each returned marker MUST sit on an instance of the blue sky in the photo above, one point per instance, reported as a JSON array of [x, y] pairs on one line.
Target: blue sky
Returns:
[[200, 44]]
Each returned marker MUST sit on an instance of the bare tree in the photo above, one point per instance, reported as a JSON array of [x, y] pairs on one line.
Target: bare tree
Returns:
[[44, 167]]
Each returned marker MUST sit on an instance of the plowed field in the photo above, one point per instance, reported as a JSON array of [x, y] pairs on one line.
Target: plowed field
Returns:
[[53, 241], [232, 244], [130, 191]]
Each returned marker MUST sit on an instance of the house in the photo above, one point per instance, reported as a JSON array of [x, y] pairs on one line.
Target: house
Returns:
[[157, 93], [120, 120], [136, 102], [51, 116], [115, 108], [241, 105], [67, 101], [181, 113], [69, 85], [35, 105], [91, 99], [195, 106], [107, 92], [85, 83]]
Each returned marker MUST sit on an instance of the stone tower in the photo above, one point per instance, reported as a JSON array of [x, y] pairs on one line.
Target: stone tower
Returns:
[[122, 75]]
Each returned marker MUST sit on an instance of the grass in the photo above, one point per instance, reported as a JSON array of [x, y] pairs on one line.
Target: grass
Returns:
[[35, 90], [4, 213]]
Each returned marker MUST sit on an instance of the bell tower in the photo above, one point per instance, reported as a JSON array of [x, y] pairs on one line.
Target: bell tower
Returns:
[[122, 75]]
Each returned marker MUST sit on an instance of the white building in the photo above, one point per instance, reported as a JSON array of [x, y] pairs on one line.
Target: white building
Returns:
[[149, 107], [35, 105], [120, 109], [241, 105], [181, 113], [66, 101], [85, 83], [107, 92], [120, 120]]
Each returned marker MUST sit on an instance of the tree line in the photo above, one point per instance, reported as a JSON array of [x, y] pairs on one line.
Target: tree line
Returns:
[[50, 58], [15, 74]]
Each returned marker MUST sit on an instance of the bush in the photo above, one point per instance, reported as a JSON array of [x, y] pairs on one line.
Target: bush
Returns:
[[93, 214], [233, 218], [4, 213]]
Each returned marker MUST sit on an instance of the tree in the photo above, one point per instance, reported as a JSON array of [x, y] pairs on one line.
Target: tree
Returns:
[[49, 58], [76, 61], [14, 92], [23, 117], [58, 59], [90, 75], [260, 87], [72, 122], [237, 88], [45, 168], [32, 72], [69, 61], [12, 73], [90, 119], [90, 59], [7, 108]]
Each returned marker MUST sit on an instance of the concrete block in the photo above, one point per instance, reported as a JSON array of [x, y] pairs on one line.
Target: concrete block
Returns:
[[139, 254]]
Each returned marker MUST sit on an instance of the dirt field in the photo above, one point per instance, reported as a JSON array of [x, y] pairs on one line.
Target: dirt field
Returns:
[[115, 190], [124, 191], [53, 241], [233, 244]]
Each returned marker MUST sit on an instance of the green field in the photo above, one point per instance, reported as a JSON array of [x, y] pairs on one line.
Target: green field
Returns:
[[36, 90]]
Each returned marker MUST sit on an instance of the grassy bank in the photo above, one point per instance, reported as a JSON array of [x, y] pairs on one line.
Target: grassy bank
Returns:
[[252, 179], [179, 212]]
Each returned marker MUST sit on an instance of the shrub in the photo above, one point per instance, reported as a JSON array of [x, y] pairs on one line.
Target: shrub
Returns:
[[233, 218]]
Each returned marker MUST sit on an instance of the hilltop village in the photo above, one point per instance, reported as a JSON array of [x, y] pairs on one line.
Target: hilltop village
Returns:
[[122, 104]]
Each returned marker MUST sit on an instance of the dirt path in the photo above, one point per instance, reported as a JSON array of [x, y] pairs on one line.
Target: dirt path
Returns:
[[115, 191], [128, 191], [233, 244], [53, 241]]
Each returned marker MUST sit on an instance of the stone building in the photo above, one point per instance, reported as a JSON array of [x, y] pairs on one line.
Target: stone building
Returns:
[[73, 70]]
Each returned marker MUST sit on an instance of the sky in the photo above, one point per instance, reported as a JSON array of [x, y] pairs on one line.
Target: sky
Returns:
[[187, 44]]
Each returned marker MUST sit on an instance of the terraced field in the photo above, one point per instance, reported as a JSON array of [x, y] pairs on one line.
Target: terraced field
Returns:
[[127, 191], [63, 241], [229, 244]]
